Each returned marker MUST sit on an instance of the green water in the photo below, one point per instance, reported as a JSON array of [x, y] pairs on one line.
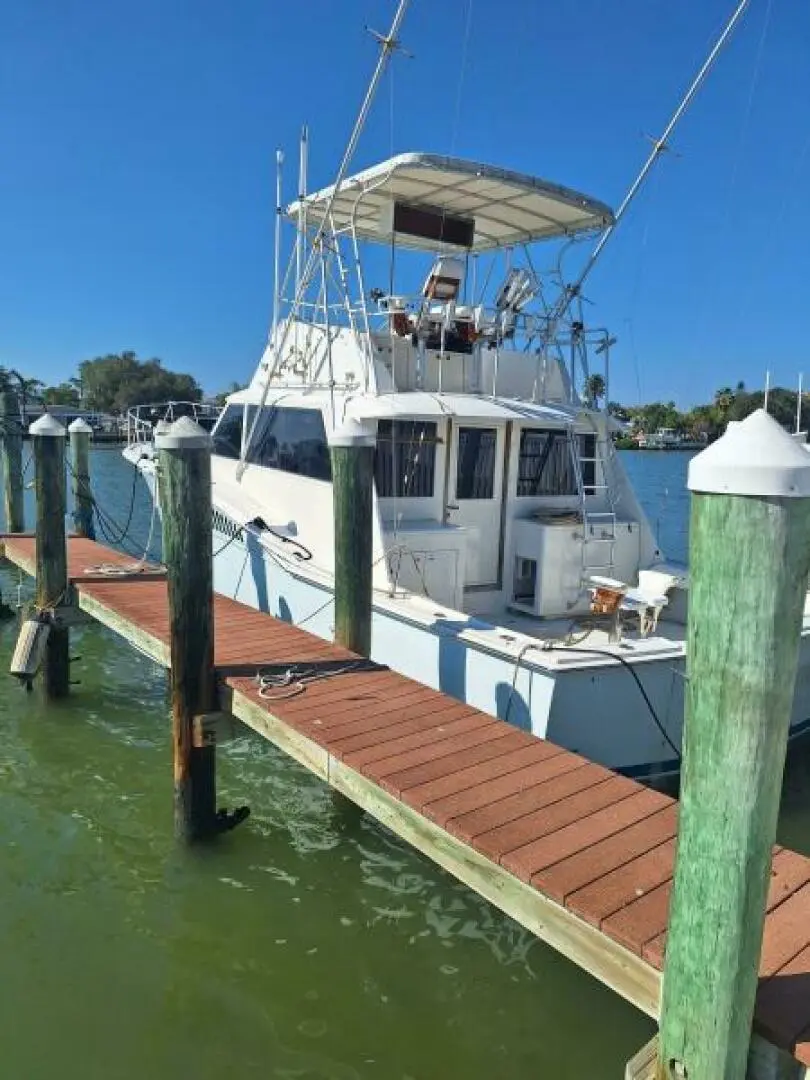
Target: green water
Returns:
[[309, 943]]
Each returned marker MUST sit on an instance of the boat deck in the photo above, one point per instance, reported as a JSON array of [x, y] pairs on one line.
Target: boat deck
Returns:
[[580, 856]]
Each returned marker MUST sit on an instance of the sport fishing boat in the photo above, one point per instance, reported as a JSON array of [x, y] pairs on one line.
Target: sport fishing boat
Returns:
[[514, 568]]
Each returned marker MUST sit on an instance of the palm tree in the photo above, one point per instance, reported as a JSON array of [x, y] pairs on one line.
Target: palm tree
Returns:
[[594, 390], [78, 386], [27, 392], [724, 399]]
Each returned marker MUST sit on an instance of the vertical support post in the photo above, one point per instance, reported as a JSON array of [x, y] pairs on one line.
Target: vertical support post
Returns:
[[48, 442], [184, 484], [749, 561], [351, 447], [11, 459], [80, 436]]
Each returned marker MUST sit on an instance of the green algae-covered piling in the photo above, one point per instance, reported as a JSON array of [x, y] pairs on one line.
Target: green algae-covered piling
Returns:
[[749, 561], [80, 436], [11, 471], [351, 448], [48, 445], [11, 460]]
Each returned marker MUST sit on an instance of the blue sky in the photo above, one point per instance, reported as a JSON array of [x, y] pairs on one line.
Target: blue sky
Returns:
[[138, 145]]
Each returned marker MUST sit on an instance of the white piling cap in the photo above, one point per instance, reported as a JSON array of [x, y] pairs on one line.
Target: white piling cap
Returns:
[[183, 434], [80, 427], [756, 456], [47, 425], [352, 432]]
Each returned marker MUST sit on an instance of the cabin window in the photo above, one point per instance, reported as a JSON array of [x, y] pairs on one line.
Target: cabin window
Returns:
[[228, 432], [475, 464], [545, 467], [292, 440], [405, 460]]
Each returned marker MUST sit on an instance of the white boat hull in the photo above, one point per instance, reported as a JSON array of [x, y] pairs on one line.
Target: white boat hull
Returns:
[[597, 712]]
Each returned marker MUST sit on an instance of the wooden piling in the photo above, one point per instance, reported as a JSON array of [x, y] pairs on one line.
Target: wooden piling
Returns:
[[749, 561], [80, 435], [184, 483], [11, 460], [48, 445], [351, 449]]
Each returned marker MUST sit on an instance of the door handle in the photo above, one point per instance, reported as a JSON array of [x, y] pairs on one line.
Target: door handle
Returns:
[[452, 506]]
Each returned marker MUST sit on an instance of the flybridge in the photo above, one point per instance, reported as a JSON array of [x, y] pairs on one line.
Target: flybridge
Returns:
[[429, 202]]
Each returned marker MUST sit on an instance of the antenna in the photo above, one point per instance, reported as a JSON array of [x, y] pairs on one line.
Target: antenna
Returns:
[[303, 158], [767, 388], [277, 246]]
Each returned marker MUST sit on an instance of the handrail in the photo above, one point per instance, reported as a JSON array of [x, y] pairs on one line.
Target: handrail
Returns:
[[141, 419]]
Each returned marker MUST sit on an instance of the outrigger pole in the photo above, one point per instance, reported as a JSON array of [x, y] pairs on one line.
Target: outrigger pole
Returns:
[[389, 44], [570, 292], [277, 245]]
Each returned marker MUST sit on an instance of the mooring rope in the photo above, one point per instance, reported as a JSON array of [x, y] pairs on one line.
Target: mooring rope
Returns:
[[293, 681]]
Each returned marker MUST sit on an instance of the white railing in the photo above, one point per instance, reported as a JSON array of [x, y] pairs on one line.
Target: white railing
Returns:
[[407, 314], [141, 419]]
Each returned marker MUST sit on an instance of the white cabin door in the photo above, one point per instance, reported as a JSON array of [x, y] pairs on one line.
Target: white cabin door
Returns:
[[474, 494]]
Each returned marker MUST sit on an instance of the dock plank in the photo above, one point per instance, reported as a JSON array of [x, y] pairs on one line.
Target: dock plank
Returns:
[[539, 822], [571, 775], [642, 920], [528, 860], [596, 867], [634, 878], [437, 746]]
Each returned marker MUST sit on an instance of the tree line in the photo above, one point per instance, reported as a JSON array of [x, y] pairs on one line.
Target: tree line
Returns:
[[709, 421], [107, 384]]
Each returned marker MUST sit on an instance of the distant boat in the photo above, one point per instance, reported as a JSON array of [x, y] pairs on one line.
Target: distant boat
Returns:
[[669, 439]]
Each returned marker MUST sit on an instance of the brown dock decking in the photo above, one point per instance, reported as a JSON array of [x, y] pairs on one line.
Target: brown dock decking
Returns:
[[580, 856]]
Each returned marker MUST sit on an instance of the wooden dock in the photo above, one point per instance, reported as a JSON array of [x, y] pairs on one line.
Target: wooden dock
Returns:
[[578, 855]]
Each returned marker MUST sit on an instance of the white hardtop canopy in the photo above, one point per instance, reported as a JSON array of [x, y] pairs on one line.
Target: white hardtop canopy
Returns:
[[506, 207]]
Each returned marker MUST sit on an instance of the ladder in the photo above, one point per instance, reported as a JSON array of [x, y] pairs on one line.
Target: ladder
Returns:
[[597, 505]]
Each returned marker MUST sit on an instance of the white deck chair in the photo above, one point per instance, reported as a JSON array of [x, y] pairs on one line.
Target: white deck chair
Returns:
[[649, 598]]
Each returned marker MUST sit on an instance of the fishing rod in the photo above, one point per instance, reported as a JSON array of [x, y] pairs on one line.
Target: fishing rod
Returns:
[[570, 292], [389, 44]]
